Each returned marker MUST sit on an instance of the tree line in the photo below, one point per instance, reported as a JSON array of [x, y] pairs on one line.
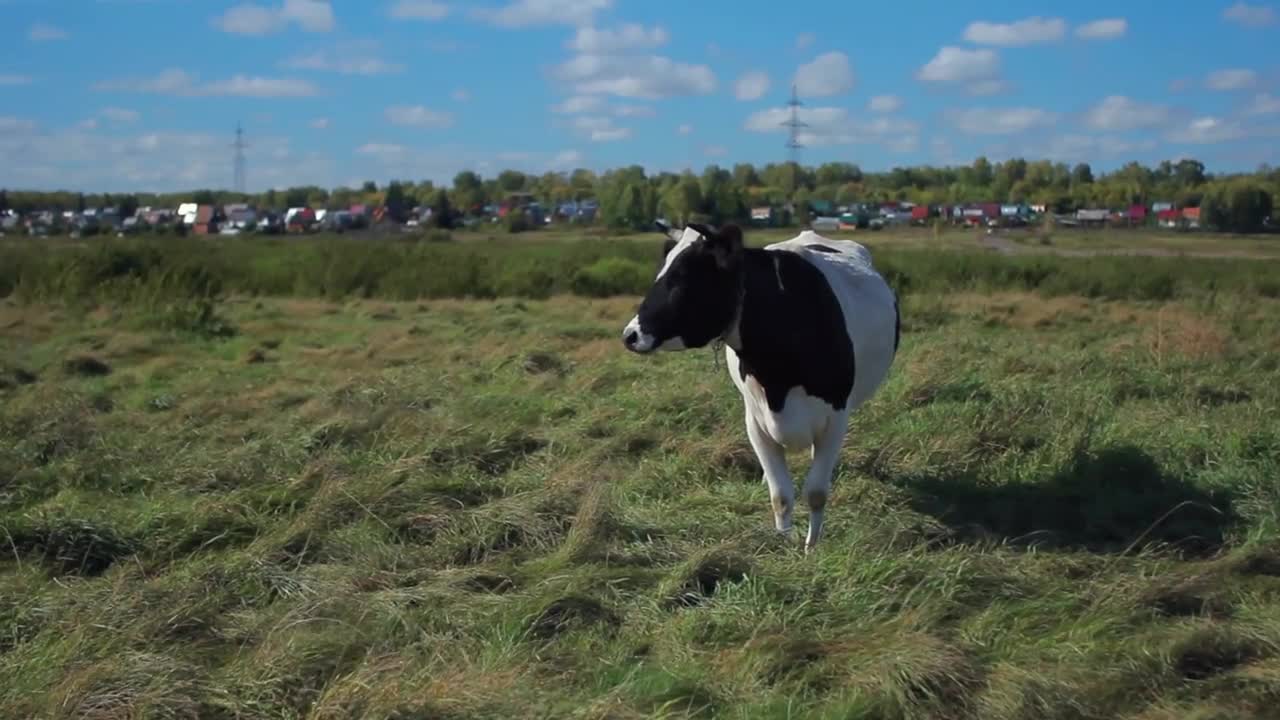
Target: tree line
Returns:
[[630, 197]]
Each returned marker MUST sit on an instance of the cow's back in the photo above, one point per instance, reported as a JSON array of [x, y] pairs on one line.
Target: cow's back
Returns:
[[866, 300]]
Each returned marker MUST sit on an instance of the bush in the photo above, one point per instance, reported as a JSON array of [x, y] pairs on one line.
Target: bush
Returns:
[[156, 273], [517, 221], [612, 276]]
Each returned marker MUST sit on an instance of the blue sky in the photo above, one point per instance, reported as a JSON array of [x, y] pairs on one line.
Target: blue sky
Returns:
[[145, 94]]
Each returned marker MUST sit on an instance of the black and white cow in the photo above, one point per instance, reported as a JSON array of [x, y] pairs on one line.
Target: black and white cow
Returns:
[[810, 331]]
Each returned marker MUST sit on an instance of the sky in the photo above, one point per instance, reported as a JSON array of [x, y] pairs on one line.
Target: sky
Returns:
[[138, 95]]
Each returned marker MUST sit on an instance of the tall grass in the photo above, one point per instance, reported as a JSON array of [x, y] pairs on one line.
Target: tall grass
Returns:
[[336, 268]]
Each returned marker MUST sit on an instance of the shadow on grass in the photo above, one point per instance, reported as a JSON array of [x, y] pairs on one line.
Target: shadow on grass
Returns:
[[1112, 500]]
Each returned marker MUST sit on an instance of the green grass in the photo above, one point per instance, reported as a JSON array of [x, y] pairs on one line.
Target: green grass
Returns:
[[156, 272], [1058, 507]]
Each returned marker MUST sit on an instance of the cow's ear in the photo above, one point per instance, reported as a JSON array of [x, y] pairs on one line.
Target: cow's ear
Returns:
[[703, 230], [727, 244]]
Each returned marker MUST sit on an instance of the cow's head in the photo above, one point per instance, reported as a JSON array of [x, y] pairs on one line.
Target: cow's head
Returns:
[[695, 297]]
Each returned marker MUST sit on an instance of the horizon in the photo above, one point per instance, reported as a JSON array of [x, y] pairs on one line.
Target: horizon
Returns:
[[104, 97]]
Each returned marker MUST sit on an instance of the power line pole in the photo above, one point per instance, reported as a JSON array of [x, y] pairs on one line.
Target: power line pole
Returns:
[[794, 124], [239, 146]]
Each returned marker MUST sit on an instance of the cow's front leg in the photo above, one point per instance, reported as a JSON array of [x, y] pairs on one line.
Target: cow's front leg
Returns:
[[773, 460], [817, 484]]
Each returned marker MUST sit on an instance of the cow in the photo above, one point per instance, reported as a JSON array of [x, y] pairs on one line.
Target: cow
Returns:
[[810, 330]]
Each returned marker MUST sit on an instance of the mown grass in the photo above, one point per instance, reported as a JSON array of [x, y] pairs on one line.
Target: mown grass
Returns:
[[1057, 507]]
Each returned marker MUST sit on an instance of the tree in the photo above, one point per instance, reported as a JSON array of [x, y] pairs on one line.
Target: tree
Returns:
[[982, 172], [682, 199], [397, 205], [128, 205], [1189, 172], [468, 190], [1082, 174], [511, 181], [1240, 207], [369, 187], [441, 213], [295, 197]]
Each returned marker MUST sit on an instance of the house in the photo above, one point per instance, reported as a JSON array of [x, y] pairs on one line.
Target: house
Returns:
[[1169, 218], [762, 216], [1137, 215], [1092, 217], [1159, 207], [823, 223], [187, 211], [1191, 216], [240, 216], [204, 223], [299, 219]]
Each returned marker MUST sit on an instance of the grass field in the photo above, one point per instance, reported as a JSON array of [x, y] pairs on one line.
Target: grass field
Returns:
[[1059, 506]]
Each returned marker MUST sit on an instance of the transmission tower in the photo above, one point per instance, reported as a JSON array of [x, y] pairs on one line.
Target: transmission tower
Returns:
[[239, 145], [793, 123]]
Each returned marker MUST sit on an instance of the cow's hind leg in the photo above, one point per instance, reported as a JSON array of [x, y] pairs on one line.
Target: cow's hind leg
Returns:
[[773, 460], [817, 484]]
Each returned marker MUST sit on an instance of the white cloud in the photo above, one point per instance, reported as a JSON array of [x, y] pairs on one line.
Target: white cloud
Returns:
[[984, 88], [1031, 31], [382, 149], [262, 87], [253, 19], [43, 32], [1105, 29], [828, 126], [804, 40], [347, 59], [1233, 79], [639, 111], [999, 121], [152, 161], [1250, 15], [418, 116], [418, 10], [12, 80], [524, 13], [1206, 130], [885, 103], [1086, 148], [685, 129], [1117, 113], [751, 86], [120, 115], [88, 124], [828, 74], [1263, 104], [565, 160], [579, 104], [179, 82], [600, 129], [648, 77], [977, 70], [460, 95], [320, 123], [9, 123], [631, 36], [715, 151]]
